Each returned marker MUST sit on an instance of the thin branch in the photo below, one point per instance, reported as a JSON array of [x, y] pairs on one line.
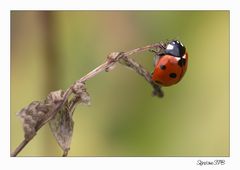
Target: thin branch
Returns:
[[110, 62], [65, 153], [20, 147]]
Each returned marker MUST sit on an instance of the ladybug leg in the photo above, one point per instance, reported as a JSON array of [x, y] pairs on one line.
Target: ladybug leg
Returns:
[[153, 51], [158, 51]]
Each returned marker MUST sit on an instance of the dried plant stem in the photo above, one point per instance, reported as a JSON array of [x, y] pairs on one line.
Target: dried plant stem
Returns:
[[110, 62], [52, 113], [65, 153], [20, 147]]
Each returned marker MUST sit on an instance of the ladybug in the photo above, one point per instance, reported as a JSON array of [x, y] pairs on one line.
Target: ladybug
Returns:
[[171, 64]]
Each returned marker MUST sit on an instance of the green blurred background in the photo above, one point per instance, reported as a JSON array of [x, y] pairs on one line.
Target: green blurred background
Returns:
[[50, 50]]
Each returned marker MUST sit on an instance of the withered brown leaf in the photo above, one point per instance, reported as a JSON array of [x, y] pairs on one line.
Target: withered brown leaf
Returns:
[[32, 115], [62, 127]]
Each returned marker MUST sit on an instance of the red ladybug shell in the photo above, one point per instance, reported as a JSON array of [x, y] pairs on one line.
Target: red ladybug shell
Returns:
[[169, 70]]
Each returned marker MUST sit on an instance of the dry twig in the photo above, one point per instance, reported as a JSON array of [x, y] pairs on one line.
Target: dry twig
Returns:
[[58, 107]]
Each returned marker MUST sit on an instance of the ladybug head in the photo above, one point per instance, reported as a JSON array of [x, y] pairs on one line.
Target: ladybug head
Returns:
[[175, 48]]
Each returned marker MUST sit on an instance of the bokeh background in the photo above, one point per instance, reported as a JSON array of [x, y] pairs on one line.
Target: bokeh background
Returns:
[[52, 49]]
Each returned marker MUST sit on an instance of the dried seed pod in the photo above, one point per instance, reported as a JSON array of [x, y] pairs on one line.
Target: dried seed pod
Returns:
[[81, 93]]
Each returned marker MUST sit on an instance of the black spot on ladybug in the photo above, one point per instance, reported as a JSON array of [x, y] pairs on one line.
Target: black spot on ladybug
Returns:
[[173, 75], [182, 62], [163, 67]]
